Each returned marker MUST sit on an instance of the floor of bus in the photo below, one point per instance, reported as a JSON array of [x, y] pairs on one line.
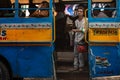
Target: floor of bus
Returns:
[[64, 66]]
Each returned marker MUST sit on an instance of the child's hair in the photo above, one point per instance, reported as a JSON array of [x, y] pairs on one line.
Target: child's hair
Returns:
[[81, 7], [45, 4]]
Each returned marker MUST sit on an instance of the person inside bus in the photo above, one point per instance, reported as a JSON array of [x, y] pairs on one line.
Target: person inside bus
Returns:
[[31, 5], [21, 13], [95, 12], [102, 14], [79, 38], [70, 20], [60, 21], [43, 12], [5, 4]]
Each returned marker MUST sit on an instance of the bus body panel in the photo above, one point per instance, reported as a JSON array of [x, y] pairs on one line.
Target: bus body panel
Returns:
[[104, 40], [29, 61], [104, 60]]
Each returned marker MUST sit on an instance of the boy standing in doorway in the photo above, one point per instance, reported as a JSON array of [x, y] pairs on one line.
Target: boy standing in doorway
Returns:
[[79, 36]]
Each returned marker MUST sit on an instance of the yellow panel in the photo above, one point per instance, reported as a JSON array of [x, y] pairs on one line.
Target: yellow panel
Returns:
[[104, 35], [27, 35]]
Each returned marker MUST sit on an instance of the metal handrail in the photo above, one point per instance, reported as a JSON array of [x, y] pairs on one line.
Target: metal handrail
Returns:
[[86, 28]]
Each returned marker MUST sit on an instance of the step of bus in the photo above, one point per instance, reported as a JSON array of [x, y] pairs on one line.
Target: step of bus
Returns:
[[73, 76], [65, 70], [64, 62], [64, 56], [69, 68]]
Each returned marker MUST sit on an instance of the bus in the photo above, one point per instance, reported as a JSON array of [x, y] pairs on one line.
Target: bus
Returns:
[[30, 43], [26, 39], [104, 38]]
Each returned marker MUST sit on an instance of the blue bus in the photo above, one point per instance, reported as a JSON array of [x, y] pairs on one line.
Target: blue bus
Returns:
[[104, 38], [26, 39]]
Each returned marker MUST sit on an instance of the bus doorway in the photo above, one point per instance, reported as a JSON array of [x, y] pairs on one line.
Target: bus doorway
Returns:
[[64, 50]]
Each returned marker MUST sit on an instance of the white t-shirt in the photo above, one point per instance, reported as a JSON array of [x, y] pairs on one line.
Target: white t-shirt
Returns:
[[81, 26]]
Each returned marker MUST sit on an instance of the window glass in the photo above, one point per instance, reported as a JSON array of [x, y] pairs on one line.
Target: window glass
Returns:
[[6, 8], [34, 8], [24, 8], [103, 9]]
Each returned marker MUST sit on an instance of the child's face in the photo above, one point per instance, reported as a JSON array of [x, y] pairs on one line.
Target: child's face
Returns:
[[80, 12]]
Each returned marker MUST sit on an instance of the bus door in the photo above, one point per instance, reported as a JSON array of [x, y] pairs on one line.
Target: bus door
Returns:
[[26, 37], [103, 38]]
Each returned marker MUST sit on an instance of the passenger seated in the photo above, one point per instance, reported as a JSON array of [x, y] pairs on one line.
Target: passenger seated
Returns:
[[42, 12], [95, 12], [106, 13], [21, 13]]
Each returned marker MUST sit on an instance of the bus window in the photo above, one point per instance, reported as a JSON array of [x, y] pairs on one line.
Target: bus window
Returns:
[[103, 9], [21, 12], [34, 8], [6, 9], [26, 8]]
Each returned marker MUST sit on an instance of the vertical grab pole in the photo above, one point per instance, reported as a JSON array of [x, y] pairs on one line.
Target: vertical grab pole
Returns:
[[54, 36], [86, 26]]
